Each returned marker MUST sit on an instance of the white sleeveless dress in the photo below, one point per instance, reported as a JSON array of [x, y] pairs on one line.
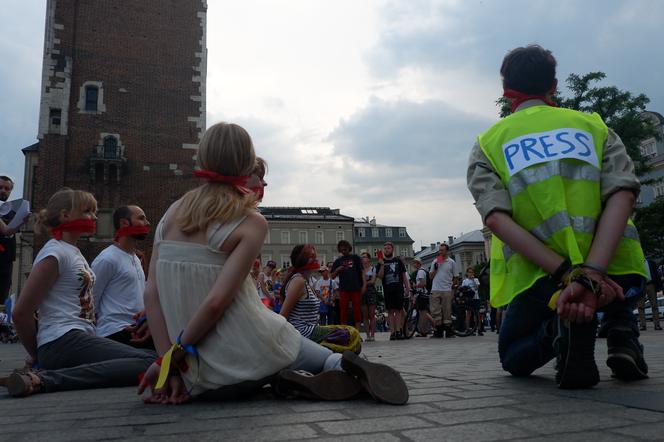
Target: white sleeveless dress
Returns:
[[249, 342]]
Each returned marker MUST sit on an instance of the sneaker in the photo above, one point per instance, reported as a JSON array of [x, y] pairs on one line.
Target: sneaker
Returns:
[[383, 383], [625, 355], [331, 385], [574, 346], [393, 336]]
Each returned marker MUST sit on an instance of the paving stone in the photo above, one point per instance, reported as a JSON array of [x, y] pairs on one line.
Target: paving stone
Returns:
[[374, 425], [572, 422], [602, 436], [460, 404], [651, 431], [457, 388], [476, 432], [463, 416]]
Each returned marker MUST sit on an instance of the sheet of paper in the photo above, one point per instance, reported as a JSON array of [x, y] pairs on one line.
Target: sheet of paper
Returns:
[[21, 213]]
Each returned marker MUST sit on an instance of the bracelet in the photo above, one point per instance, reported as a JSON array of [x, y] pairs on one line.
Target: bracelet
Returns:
[[557, 276], [587, 283], [189, 348], [597, 267]]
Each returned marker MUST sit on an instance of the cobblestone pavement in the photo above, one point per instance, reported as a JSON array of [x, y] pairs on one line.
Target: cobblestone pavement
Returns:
[[457, 392]]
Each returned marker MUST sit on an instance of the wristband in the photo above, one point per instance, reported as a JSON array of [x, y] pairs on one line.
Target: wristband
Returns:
[[591, 265], [557, 276]]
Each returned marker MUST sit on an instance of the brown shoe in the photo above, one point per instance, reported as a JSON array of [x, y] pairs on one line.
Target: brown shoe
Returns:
[[331, 385], [383, 383]]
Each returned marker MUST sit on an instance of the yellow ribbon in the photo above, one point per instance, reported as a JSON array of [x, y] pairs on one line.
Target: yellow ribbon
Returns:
[[166, 366], [554, 298]]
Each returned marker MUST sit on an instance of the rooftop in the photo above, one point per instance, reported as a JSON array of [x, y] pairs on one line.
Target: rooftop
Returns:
[[303, 214]]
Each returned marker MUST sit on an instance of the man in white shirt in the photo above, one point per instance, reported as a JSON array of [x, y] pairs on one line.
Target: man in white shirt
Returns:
[[120, 281], [441, 273]]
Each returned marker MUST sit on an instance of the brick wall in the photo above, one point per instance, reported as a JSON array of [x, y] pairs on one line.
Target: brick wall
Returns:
[[149, 57]]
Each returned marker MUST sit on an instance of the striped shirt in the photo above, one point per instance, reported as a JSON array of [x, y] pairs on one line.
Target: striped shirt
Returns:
[[304, 315]]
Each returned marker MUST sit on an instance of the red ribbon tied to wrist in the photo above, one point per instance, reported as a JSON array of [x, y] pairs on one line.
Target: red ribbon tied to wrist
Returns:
[[519, 97], [239, 182], [82, 225], [130, 231]]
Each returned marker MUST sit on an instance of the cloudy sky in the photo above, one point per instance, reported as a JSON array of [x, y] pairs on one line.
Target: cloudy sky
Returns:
[[367, 106]]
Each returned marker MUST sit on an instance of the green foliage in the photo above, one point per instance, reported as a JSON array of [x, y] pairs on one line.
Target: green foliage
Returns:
[[649, 223], [620, 110]]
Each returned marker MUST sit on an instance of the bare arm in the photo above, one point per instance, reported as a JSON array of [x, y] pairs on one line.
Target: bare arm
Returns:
[[611, 226], [251, 233], [40, 281], [153, 311], [294, 293]]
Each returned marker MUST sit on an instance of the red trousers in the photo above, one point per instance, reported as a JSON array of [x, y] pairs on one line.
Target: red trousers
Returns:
[[353, 297]]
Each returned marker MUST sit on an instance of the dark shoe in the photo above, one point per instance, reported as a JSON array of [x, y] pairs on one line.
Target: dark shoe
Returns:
[[393, 337], [449, 333], [574, 346], [658, 327], [625, 355], [642, 328], [332, 385], [479, 333], [383, 383]]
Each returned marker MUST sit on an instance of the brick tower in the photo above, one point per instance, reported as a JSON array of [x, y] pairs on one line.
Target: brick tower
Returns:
[[122, 105]]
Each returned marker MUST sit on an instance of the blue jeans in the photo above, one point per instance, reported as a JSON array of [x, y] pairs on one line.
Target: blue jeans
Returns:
[[525, 342]]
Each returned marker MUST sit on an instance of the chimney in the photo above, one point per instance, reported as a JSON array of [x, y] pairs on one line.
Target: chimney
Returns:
[[373, 221], [433, 246], [450, 240]]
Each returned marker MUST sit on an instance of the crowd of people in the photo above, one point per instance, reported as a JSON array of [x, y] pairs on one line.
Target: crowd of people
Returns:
[[555, 186]]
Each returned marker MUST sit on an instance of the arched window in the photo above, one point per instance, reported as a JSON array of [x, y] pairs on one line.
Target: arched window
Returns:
[[111, 150], [91, 97]]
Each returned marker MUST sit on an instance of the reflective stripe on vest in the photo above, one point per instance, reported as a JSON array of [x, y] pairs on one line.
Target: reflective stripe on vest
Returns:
[[564, 169], [559, 221], [550, 160]]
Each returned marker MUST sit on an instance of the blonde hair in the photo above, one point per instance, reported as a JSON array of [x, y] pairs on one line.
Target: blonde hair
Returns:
[[226, 149], [64, 199]]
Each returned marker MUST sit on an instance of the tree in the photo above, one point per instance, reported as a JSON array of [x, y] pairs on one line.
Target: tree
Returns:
[[620, 110], [649, 223]]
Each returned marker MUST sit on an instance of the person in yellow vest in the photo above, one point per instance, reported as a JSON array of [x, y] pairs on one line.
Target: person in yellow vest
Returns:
[[557, 188]]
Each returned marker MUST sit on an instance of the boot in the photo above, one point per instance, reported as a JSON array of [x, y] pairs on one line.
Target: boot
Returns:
[[438, 332], [449, 333], [625, 355]]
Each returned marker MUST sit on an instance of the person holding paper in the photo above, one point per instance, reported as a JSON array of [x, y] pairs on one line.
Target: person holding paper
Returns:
[[7, 239]]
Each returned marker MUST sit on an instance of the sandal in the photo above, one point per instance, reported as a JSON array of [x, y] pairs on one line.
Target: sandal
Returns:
[[383, 383], [22, 384]]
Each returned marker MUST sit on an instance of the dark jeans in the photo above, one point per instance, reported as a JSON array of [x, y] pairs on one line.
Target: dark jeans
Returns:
[[125, 337], [526, 336], [78, 360]]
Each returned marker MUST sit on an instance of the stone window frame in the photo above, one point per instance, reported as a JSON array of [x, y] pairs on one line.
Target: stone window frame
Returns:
[[101, 107], [99, 148]]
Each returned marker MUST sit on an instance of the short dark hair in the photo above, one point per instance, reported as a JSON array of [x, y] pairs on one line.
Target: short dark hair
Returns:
[[121, 213], [6, 178], [445, 245], [531, 70], [343, 243]]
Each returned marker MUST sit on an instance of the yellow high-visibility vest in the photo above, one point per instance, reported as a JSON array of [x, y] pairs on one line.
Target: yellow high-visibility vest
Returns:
[[550, 160]]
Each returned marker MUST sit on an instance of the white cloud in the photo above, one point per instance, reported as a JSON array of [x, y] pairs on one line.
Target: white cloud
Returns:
[[368, 106]]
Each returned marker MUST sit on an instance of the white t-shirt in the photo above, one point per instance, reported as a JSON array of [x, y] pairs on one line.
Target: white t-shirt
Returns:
[[118, 289], [421, 276], [473, 284], [68, 305], [326, 287], [442, 282]]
